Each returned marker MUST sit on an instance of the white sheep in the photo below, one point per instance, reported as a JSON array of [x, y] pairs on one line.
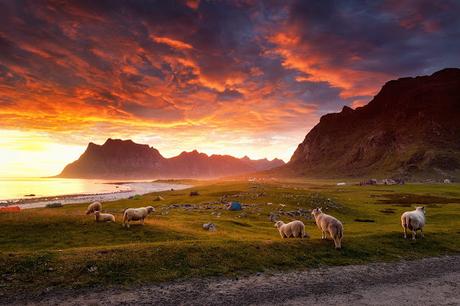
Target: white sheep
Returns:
[[294, 229], [136, 214], [413, 220], [329, 224], [100, 217], [93, 207]]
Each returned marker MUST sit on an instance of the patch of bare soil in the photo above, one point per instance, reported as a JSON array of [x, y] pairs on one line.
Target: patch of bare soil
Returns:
[[430, 281]]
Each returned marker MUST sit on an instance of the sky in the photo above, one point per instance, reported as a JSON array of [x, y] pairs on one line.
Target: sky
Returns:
[[223, 77]]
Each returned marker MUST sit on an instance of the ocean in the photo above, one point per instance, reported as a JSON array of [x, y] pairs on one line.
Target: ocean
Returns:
[[37, 192]]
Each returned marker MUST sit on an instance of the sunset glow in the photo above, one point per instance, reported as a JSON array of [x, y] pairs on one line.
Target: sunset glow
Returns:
[[223, 77]]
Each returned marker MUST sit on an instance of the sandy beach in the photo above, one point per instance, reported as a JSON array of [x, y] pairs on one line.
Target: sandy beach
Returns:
[[115, 191]]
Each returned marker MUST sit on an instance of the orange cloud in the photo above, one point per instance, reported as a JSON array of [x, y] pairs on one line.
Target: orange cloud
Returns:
[[318, 67], [172, 42]]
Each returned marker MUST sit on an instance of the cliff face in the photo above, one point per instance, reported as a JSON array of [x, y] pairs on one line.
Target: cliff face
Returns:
[[410, 128], [126, 159], [115, 158]]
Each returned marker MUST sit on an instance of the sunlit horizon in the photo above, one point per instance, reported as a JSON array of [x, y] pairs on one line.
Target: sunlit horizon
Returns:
[[35, 155], [242, 78]]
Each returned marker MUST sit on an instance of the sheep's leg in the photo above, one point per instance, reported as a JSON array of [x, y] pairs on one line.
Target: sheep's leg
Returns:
[[337, 242], [142, 221], [323, 235], [282, 235], [405, 232], [414, 234], [421, 233], [127, 223]]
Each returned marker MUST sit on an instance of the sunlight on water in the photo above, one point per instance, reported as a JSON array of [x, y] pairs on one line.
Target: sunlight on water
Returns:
[[16, 188]]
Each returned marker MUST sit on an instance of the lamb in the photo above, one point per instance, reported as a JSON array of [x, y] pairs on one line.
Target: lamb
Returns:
[[294, 229], [136, 214], [413, 220], [100, 217], [327, 223], [93, 207]]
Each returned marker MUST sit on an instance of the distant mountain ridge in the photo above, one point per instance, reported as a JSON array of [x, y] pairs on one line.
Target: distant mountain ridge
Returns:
[[125, 159], [410, 129]]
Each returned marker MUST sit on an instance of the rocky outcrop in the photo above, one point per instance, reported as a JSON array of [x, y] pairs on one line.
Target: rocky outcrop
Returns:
[[410, 129]]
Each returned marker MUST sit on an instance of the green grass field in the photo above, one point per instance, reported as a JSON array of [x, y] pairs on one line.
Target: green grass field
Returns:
[[62, 247]]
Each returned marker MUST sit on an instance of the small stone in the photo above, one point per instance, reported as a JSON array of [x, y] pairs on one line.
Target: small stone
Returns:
[[210, 227]]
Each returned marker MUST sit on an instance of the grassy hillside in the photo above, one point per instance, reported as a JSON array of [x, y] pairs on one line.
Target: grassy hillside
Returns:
[[62, 247]]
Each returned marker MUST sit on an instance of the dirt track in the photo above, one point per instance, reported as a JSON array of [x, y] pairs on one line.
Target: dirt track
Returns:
[[432, 281]]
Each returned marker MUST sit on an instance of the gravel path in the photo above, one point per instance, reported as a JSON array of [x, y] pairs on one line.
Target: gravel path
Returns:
[[431, 281]]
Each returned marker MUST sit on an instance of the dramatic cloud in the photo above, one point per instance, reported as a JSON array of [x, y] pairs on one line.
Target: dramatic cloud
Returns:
[[239, 77]]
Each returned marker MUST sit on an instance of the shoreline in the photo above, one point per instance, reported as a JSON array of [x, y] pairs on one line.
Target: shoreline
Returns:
[[135, 188]]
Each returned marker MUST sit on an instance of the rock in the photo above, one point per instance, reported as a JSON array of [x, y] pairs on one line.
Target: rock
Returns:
[[447, 181], [210, 227], [368, 182], [388, 182], [54, 205], [341, 184], [273, 217], [158, 198], [194, 193]]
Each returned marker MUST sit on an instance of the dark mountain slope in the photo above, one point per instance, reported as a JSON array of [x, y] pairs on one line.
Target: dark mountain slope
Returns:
[[410, 129]]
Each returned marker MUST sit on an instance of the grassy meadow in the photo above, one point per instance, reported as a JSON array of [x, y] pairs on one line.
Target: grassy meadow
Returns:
[[47, 248]]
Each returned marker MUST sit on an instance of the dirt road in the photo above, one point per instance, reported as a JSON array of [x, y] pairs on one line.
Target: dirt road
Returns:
[[431, 281]]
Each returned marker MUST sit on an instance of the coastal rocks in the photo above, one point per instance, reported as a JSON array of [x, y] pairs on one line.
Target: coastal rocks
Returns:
[[386, 181], [300, 212], [54, 205]]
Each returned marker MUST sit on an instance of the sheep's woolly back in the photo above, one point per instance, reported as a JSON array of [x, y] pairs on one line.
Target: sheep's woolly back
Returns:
[[100, 217], [93, 207], [329, 224], [413, 220], [294, 229], [137, 213]]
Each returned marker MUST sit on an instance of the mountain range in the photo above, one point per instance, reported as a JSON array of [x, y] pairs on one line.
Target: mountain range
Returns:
[[125, 159], [410, 129]]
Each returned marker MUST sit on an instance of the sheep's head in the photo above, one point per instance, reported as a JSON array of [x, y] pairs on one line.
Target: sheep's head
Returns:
[[317, 211], [150, 209], [278, 224], [421, 208]]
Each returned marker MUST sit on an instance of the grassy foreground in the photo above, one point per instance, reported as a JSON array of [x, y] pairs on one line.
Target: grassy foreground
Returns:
[[42, 249]]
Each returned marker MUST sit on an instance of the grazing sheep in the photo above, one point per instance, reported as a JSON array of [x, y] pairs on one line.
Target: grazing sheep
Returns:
[[413, 220], [327, 223], [294, 229], [100, 217], [93, 207], [136, 214]]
